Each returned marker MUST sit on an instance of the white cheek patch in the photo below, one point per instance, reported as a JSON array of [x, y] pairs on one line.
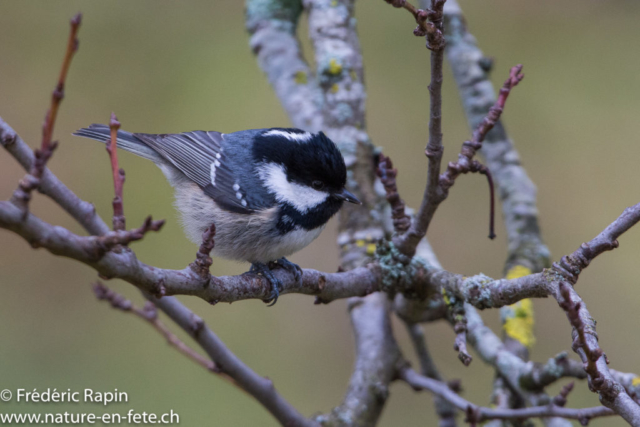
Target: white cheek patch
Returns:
[[291, 136], [299, 196]]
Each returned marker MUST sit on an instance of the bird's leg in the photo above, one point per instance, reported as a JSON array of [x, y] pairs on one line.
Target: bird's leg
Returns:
[[289, 266], [276, 286]]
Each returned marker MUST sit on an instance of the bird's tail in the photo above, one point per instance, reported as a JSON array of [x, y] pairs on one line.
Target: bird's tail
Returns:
[[125, 140]]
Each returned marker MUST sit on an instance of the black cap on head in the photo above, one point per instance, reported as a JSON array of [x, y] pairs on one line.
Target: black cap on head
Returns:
[[309, 159]]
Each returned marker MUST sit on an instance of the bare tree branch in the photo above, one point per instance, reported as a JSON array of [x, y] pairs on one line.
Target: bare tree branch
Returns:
[[435, 42], [203, 259], [476, 414], [272, 25], [118, 175], [377, 359], [387, 175], [323, 102], [31, 181], [585, 343], [445, 410], [149, 313], [517, 193], [261, 388]]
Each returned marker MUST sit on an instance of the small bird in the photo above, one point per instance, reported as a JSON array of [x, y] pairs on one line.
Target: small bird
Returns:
[[269, 192]]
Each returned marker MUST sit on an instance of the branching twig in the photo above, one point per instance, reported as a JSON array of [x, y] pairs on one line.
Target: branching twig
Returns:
[[419, 15], [478, 414], [435, 42], [150, 314], [465, 162], [110, 240], [31, 181]]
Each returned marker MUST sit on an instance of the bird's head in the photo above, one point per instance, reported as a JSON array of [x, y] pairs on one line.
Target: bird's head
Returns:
[[302, 169]]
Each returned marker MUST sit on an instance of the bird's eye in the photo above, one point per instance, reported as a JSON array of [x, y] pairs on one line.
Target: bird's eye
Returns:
[[317, 185]]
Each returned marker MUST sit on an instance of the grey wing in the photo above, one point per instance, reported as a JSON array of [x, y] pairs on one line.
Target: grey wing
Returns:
[[201, 156]]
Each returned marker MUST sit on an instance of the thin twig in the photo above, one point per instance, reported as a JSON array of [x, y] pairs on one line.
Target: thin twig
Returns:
[[478, 414], [110, 240], [469, 149], [150, 314], [58, 93], [437, 191], [387, 174], [418, 14], [118, 175], [446, 412], [203, 259], [31, 181], [435, 42]]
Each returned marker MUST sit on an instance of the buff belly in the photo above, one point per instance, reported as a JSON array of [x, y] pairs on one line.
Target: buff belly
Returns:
[[239, 237]]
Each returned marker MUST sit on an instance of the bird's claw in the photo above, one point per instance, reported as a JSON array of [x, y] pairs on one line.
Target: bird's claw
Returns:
[[276, 285], [290, 267]]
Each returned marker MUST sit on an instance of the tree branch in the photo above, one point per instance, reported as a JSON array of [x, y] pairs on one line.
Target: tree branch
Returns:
[[432, 196], [118, 175], [150, 314], [261, 388], [476, 414], [445, 410], [272, 25], [585, 343], [387, 175], [377, 358], [31, 181]]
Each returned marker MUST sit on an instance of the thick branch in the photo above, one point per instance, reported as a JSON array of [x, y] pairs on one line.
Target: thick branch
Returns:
[[83, 212], [93, 251], [377, 358], [272, 25]]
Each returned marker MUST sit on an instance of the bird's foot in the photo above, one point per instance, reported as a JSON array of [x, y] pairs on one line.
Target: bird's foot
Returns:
[[276, 286], [290, 267]]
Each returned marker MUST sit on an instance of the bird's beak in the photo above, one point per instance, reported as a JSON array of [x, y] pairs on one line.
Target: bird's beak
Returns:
[[347, 197]]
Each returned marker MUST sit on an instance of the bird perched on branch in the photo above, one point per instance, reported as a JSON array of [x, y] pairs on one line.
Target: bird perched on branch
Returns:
[[269, 192]]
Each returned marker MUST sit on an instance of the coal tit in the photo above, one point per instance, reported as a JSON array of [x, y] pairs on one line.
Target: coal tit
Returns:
[[269, 192]]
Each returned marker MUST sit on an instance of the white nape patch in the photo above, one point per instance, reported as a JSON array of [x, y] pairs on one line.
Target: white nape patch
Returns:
[[213, 173], [299, 196], [291, 136]]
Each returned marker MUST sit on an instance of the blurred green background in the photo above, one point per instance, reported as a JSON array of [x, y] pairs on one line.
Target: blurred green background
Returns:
[[166, 66]]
